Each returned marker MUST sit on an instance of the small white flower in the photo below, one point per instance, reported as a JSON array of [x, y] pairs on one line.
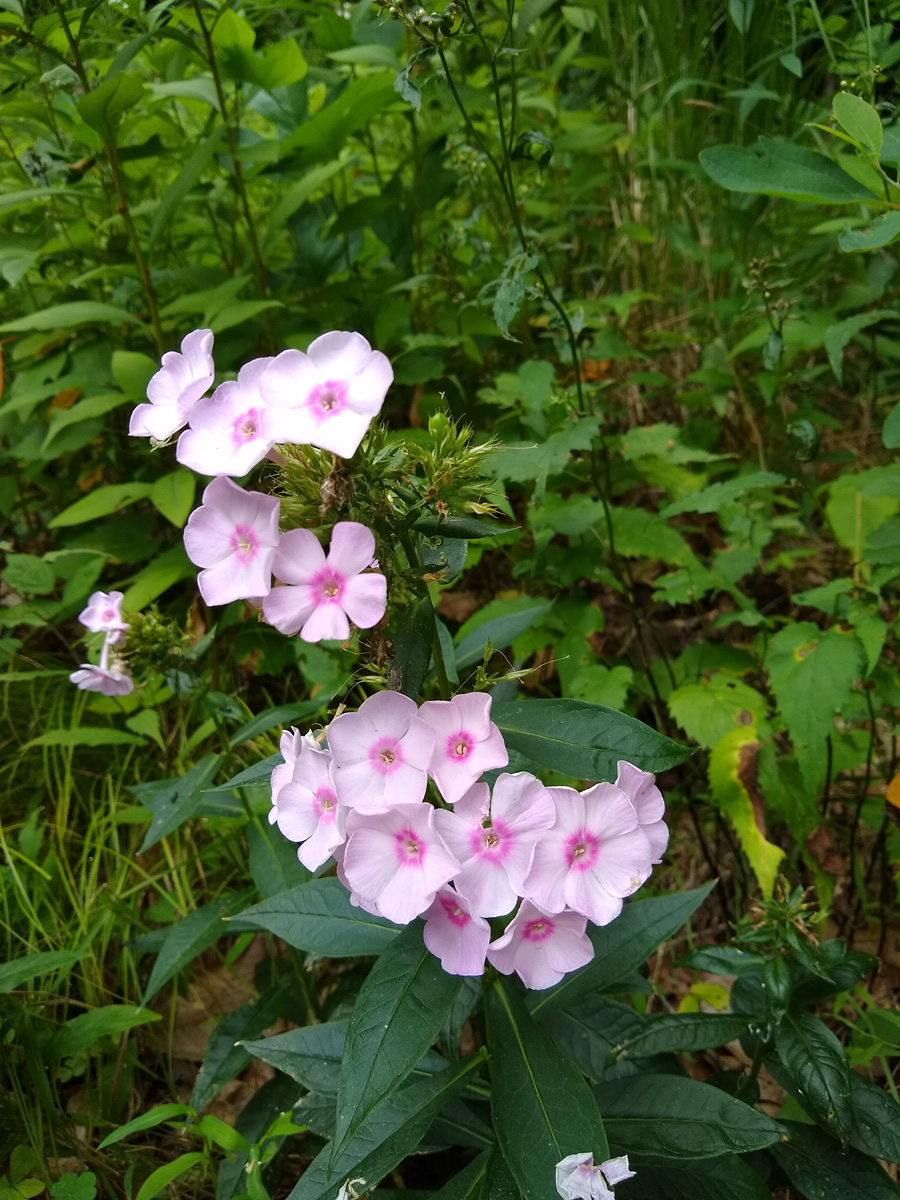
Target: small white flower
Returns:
[[577, 1178]]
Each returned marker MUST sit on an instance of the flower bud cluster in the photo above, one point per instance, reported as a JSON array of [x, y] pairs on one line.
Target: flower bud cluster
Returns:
[[104, 615], [565, 857]]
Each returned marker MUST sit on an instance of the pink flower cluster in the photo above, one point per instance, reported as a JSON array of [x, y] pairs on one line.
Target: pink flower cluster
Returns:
[[326, 397], [568, 856], [104, 615]]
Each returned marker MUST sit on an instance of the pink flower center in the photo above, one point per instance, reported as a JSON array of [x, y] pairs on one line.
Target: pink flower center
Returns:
[[582, 850], [455, 914], [409, 848], [459, 746], [109, 614], [386, 756], [330, 586], [327, 399], [245, 427], [325, 802], [538, 930], [244, 543]]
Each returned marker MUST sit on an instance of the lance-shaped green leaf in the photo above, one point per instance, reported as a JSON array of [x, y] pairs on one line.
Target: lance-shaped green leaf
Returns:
[[399, 1012], [318, 917], [782, 169], [174, 801], [882, 232], [817, 1063], [820, 1170], [465, 1184], [176, 193], [725, 1178], [665, 1116], [191, 936], [584, 741], [102, 105], [542, 1108], [392, 1131], [623, 946], [311, 1055], [876, 1120], [678, 1033], [859, 119], [413, 646], [498, 1182], [21, 970], [588, 1030], [80, 1033], [730, 766]]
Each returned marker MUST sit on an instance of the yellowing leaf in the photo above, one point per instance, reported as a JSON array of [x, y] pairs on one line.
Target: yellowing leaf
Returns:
[[893, 792], [732, 769]]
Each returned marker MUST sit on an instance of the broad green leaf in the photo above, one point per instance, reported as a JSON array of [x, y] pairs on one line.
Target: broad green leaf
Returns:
[[80, 1033], [22, 970], [819, 1169], [225, 1056], [859, 119], [782, 169], [875, 1120], [711, 499], [176, 193], [240, 312], [413, 648], [272, 859], [132, 372], [883, 231], [392, 1131], [725, 1178], [18, 254], [721, 960], [311, 1055], [714, 706], [525, 461], [498, 1183], [174, 801], [86, 735], [158, 1181], [842, 333], [623, 946], [587, 1030], [643, 534], [891, 431], [859, 504], [163, 572], [86, 410], [541, 1106], [173, 495], [69, 316], [147, 1120], [510, 291], [506, 620], [731, 766], [101, 106], [812, 675], [817, 1063], [584, 741], [28, 574], [100, 503], [398, 1013], [679, 1033], [666, 1116], [193, 934], [318, 917]]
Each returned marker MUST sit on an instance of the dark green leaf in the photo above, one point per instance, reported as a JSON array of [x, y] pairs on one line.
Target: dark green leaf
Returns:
[[399, 1012], [260, 772], [725, 1178], [882, 232], [311, 1055], [177, 191], [679, 1033], [273, 862], [466, 1184], [22, 970], [623, 946], [174, 801], [470, 528], [413, 648], [588, 1029], [721, 960], [584, 741], [191, 936], [319, 918], [498, 1182], [664, 1116], [80, 1033], [782, 169], [875, 1128], [541, 1105], [392, 1131], [817, 1063], [500, 631], [890, 433], [269, 718], [820, 1170]]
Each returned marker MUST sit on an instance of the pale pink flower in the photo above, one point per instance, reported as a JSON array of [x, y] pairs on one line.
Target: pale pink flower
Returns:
[[329, 395], [104, 615], [291, 746], [646, 798], [578, 1179], [308, 809], [381, 753], [175, 388], [456, 935], [109, 680], [494, 839], [323, 594], [233, 536], [541, 947], [467, 743], [396, 860], [231, 430], [595, 854]]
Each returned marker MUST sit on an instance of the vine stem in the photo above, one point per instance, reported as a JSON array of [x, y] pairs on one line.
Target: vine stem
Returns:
[[119, 184]]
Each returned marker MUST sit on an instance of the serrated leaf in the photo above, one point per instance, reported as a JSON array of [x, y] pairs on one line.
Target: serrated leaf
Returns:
[[398, 1013], [541, 1105], [712, 707], [318, 917], [622, 946], [584, 741], [817, 1063], [28, 574], [812, 674], [665, 1116], [731, 769], [711, 499], [782, 169]]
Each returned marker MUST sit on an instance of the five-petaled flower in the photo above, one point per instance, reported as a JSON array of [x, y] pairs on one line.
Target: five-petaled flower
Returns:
[[233, 537], [541, 947], [231, 430], [322, 594], [104, 615], [175, 388], [110, 680], [455, 934], [307, 809], [467, 742]]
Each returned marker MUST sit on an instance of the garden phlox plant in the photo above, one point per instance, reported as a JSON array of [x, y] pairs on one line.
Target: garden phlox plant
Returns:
[[103, 614], [578, 1178]]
